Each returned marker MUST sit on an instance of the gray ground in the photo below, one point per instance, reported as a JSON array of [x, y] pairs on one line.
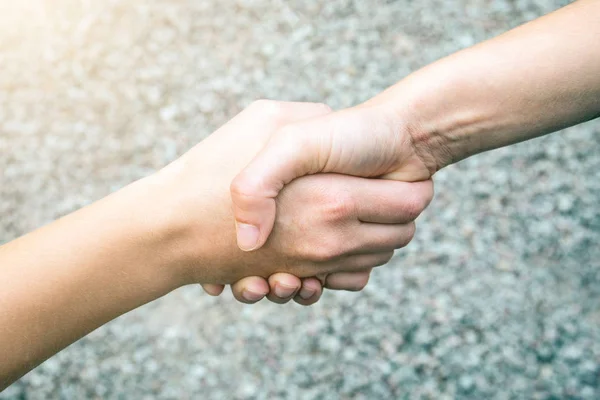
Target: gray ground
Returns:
[[498, 296]]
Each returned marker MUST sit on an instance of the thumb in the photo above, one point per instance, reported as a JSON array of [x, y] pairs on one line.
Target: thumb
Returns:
[[294, 151]]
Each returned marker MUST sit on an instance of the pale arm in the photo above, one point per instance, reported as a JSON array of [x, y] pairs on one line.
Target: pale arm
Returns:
[[535, 79], [64, 280]]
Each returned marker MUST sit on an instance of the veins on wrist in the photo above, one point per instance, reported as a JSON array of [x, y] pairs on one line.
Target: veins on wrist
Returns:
[[430, 147]]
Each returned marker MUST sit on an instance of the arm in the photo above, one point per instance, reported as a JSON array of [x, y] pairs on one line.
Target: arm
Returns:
[[63, 281], [174, 228], [535, 79]]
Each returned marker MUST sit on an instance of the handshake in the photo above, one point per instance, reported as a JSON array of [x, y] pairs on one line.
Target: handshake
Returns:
[[289, 197], [318, 198]]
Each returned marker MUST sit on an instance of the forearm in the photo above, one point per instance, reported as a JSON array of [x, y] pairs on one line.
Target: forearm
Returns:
[[65, 280], [533, 80]]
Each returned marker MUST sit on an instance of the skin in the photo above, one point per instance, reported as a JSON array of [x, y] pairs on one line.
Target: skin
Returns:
[[533, 80], [175, 228]]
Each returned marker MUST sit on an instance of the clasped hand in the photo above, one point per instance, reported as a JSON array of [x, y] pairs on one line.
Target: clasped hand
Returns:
[[330, 229]]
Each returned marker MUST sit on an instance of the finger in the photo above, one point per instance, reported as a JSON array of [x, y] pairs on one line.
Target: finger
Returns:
[[310, 293], [213, 289], [253, 197], [358, 262], [250, 290], [283, 287], [377, 238], [390, 202], [350, 281]]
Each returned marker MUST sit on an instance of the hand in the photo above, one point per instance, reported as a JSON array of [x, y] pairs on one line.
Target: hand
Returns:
[[365, 141], [326, 223]]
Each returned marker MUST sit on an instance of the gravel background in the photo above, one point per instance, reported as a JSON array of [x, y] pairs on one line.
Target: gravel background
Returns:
[[497, 297]]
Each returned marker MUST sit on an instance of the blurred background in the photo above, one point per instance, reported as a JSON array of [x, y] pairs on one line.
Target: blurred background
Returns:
[[497, 297]]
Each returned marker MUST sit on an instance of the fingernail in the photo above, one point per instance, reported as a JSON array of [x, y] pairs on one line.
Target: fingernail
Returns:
[[247, 236], [284, 291], [252, 296], [306, 293]]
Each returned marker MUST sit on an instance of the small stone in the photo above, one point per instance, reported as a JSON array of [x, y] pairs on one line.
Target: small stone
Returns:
[[545, 353], [466, 384], [169, 113], [572, 354]]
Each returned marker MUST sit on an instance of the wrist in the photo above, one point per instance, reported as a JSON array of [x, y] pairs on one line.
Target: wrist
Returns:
[[150, 217], [448, 112], [414, 109], [433, 120], [192, 219]]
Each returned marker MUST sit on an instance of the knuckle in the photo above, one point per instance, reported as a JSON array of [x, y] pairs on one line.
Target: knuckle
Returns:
[[339, 206], [320, 254], [326, 250], [241, 187], [301, 251]]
